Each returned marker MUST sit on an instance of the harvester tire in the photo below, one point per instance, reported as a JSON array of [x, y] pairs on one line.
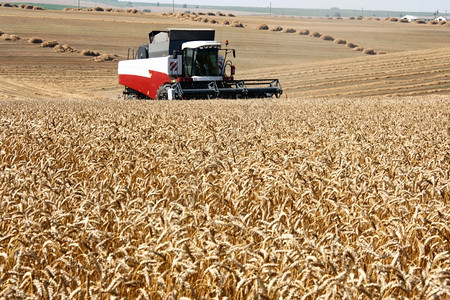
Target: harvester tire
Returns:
[[161, 94]]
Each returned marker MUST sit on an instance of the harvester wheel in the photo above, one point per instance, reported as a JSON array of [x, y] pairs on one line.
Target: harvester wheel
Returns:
[[161, 94]]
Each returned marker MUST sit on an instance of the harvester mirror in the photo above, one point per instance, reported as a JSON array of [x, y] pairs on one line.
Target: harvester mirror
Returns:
[[176, 53]]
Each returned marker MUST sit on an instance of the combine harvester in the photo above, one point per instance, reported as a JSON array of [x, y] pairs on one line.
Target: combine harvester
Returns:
[[186, 64]]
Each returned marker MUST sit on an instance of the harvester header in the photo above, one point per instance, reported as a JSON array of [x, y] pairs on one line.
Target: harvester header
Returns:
[[187, 64]]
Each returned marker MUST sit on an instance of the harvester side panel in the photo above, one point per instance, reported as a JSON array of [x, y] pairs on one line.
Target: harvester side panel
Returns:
[[147, 75]]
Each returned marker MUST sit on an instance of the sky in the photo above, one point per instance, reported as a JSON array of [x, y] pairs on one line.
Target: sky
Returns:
[[386, 5]]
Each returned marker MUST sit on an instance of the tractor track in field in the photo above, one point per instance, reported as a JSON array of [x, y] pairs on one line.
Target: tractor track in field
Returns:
[[410, 73]]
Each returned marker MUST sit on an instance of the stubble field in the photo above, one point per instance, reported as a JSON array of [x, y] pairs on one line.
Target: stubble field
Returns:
[[340, 191]]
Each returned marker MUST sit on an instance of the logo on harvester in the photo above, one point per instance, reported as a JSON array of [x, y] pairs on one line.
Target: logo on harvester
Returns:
[[173, 66]]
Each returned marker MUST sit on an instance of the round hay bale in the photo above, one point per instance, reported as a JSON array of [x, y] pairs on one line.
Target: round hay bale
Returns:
[[6, 5], [340, 41], [404, 21], [394, 20], [442, 22], [237, 24], [351, 18], [205, 20], [277, 28], [67, 9], [304, 32], [38, 8], [22, 5], [119, 10], [351, 45], [219, 14], [1, 33], [289, 30], [359, 18], [105, 57], [90, 53], [201, 14], [326, 37], [230, 15], [358, 49], [226, 22], [381, 52], [49, 44], [10, 37], [315, 34], [59, 48], [108, 9], [262, 27], [35, 40], [434, 22], [211, 14], [420, 22], [369, 51], [212, 21], [98, 8]]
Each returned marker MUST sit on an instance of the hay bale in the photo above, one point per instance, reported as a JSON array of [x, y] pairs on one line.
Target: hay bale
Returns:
[[59, 48], [108, 9], [201, 14], [351, 18], [394, 20], [315, 34], [262, 27], [351, 45], [358, 49], [212, 21], [230, 15], [64, 48], [6, 5], [277, 28], [289, 30], [38, 8], [98, 8], [205, 20], [219, 14], [49, 44], [369, 51], [340, 41], [226, 22], [304, 32], [10, 37], [434, 22], [90, 53], [404, 21], [105, 57], [211, 14], [442, 22], [22, 5], [1, 33], [237, 24], [381, 52], [119, 10], [326, 37], [420, 22], [35, 40]]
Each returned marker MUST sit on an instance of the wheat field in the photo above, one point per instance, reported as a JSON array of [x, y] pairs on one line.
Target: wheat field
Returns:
[[257, 199]]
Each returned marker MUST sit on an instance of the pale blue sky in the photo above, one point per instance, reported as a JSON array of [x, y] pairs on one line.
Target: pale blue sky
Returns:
[[394, 5]]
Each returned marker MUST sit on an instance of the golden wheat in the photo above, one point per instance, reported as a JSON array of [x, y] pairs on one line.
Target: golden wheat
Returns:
[[300, 198]]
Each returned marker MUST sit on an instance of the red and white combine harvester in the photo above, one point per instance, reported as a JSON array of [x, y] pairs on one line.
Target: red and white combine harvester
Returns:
[[187, 64]]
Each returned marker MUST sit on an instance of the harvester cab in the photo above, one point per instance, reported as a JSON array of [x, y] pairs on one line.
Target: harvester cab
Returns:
[[188, 64]]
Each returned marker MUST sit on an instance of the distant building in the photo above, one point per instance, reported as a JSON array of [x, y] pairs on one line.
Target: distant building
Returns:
[[411, 18]]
